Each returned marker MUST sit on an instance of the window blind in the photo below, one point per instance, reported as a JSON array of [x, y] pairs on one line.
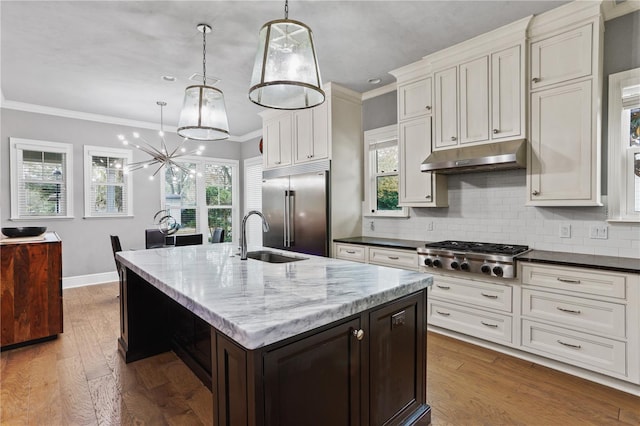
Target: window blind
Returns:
[[42, 183], [253, 200], [108, 191]]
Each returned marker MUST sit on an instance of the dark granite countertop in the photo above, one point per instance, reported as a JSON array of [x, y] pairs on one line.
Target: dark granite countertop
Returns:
[[609, 263], [382, 242]]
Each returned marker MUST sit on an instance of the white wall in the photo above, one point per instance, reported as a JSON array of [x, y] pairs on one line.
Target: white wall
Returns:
[[489, 207]]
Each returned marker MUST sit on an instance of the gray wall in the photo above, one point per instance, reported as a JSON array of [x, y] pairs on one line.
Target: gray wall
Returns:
[[86, 248], [379, 111]]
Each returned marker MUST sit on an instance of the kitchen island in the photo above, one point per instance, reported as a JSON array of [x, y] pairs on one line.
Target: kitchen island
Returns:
[[312, 341]]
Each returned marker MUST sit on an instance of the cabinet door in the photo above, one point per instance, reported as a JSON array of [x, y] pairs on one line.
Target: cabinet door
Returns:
[[446, 108], [303, 135], [277, 141], [561, 161], [474, 100], [397, 360], [316, 380], [506, 94], [414, 99], [561, 57], [320, 147], [414, 147]]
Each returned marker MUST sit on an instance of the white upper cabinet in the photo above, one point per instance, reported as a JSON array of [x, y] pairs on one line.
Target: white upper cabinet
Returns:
[[414, 99], [507, 94], [277, 133], [562, 57], [474, 100], [446, 107], [310, 134]]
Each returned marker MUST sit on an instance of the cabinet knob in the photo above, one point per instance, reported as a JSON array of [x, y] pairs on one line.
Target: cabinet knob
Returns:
[[535, 80], [358, 334], [496, 131], [427, 196], [453, 138], [428, 108], [535, 192], [277, 162]]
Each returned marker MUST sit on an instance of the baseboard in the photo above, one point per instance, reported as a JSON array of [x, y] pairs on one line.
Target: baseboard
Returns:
[[91, 279]]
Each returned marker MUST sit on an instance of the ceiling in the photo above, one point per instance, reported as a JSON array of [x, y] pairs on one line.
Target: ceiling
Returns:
[[108, 57]]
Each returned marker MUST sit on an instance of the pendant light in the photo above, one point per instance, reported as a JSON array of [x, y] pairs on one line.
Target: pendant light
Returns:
[[203, 116], [285, 72]]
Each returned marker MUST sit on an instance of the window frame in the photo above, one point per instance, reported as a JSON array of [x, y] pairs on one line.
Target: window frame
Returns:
[[382, 135], [15, 166], [91, 151], [254, 228], [201, 202], [619, 187]]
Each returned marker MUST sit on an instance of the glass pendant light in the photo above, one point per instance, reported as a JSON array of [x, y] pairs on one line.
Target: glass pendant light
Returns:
[[203, 116], [285, 72]]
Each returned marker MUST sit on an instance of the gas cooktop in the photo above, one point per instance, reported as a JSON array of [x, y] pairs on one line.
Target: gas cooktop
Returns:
[[475, 247]]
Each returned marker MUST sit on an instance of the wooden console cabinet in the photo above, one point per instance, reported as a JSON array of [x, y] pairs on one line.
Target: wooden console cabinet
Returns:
[[31, 285]]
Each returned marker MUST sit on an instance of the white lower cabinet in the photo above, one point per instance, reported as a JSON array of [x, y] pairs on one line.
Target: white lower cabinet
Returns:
[[479, 323], [395, 258]]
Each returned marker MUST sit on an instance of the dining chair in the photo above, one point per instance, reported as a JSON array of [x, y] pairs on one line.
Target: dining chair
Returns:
[[217, 235], [188, 240], [115, 247], [154, 238]]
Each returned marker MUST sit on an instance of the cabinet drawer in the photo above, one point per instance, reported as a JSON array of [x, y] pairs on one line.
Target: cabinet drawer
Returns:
[[474, 322], [561, 57], [405, 259], [481, 294], [579, 280], [590, 315], [351, 252], [575, 348]]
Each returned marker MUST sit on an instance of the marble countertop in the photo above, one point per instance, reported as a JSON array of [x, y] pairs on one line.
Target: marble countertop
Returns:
[[382, 242], [257, 303]]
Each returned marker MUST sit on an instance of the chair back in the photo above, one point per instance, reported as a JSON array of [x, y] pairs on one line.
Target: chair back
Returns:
[[154, 238], [188, 240], [217, 235], [115, 246]]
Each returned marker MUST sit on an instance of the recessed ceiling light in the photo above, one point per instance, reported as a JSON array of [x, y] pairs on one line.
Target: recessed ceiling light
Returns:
[[168, 78], [374, 81]]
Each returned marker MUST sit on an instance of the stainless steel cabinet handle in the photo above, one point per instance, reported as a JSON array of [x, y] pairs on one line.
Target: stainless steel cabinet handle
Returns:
[[535, 80], [393, 257], [535, 192], [351, 251], [428, 108], [277, 162], [446, 314], [444, 287], [490, 296], [571, 311], [569, 345], [566, 280], [489, 325], [453, 138], [358, 334], [496, 131], [427, 196]]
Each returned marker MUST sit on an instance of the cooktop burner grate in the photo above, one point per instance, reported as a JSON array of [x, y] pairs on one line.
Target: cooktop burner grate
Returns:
[[476, 247]]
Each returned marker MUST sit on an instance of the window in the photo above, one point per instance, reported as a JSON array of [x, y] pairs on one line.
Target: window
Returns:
[[382, 173], [203, 199], [107, 188], [41, 179], [624, 146], [253, 197]]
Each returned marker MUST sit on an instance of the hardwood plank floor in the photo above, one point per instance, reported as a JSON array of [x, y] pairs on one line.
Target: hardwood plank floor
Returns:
[[79, 379]]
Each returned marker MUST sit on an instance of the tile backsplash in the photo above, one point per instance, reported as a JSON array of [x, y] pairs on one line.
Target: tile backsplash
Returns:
[[490, 207]]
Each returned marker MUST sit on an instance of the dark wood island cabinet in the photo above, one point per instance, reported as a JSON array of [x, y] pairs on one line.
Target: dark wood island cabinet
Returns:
[[31, 285], [366, 368]]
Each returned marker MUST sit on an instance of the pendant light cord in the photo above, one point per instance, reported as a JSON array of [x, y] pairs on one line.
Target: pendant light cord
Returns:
[[286, 9], [204, 56]]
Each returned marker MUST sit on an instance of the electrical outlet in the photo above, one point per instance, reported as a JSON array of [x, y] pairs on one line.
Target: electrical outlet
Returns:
[[430, 226], [599, 232], [565, 230], [372, 225]]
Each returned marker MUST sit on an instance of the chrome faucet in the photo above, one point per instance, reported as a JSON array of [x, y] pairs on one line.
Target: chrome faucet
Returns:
[[265, 228]]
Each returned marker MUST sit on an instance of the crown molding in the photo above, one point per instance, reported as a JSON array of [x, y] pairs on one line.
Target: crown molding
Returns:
[[612, 9], [379, 91], [78, 115]]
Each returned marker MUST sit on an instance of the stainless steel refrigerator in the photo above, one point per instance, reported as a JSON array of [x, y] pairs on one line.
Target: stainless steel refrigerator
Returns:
[[295, 203]]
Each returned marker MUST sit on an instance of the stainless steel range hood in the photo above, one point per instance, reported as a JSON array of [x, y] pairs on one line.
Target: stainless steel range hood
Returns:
[[478, 158]]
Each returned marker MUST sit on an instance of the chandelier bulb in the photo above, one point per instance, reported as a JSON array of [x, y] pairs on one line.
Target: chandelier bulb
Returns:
[[136, 135]]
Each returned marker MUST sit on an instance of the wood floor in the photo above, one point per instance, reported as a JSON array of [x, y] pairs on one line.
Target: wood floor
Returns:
[[79, 379]]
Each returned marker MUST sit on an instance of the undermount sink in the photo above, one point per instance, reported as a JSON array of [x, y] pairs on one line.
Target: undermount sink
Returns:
[[272, 257]]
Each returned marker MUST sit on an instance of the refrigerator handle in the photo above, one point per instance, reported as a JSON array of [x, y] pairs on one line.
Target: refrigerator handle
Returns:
[[291, 217], [286, 219]]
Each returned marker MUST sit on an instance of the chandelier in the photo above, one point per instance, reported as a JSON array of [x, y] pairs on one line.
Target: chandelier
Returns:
[[286, 73], [161, 156], [203, 116]]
